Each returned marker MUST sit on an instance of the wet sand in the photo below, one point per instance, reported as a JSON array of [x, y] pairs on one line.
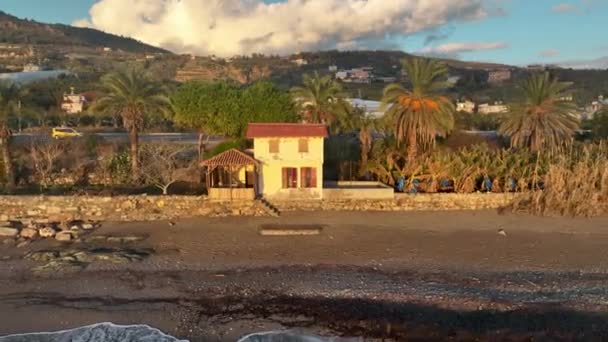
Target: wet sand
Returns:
[[393, 276]]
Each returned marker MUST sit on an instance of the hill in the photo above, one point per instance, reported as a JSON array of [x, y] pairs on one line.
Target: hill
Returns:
[[21, 31]]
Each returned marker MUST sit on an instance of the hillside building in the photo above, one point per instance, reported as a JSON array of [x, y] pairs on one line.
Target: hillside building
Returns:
[[465, 106], [495, 108], [73, 103], [499, 76]]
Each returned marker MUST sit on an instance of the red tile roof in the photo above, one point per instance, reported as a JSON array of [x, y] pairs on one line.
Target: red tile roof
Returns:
[[286, 130], [232, 157]]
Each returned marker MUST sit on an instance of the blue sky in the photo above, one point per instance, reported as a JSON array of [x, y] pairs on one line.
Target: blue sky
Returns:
[[525, 31]]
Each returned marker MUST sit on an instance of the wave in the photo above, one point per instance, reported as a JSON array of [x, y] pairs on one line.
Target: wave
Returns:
[[102, 332], [289, 336]]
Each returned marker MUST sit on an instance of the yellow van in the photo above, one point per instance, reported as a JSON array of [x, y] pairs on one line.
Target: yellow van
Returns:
[[65, 132]]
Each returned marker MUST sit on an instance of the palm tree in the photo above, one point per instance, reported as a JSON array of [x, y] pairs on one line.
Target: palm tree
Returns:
[[133, 96], [9, 101], [543, 119], [366, 126], [319, 97], [419, 115]]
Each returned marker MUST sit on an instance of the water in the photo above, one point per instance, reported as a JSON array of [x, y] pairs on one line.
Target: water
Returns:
[[105, 332]]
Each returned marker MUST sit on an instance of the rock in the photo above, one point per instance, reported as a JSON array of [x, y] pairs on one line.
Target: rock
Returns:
[[160, 204], [23, 244], [502, 232], [32, 213], [63, 236], [8, 231], [87, 226], [29, 233], [47, 232], [75, 227], [53, 210], [4, 217], [9, 242]]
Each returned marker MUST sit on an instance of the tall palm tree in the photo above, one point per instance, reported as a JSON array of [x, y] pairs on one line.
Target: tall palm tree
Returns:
[[543, 119], [366, 125], [319, 98], [133, 96], [9, 101], [419, 115]]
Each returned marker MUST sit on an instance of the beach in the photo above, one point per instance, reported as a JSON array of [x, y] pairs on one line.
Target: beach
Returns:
[[456, 275]]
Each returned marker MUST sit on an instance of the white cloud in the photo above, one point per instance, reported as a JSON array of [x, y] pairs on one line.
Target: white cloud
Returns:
[[229, 27], [549, 53], [563, 8], [454, 49]]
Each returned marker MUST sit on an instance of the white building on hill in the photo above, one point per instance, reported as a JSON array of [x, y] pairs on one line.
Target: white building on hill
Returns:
[[496, 108], [73, 103], [465, 106]]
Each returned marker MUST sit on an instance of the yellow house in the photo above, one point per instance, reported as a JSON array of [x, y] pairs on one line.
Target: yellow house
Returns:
[[291, 159]]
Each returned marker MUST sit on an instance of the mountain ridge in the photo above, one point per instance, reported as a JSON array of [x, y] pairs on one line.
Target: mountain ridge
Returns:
[[14, 30]]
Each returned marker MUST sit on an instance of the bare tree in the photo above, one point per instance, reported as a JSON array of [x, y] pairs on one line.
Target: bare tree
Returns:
[[44, 161], [164, 164]]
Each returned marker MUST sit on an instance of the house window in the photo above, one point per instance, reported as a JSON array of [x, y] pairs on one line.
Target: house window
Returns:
[[303, 146], [273, 146], [309, 177], [290, 178]]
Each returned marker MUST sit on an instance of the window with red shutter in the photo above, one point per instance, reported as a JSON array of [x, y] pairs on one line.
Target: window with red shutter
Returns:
[[290, 178], [309, 177]]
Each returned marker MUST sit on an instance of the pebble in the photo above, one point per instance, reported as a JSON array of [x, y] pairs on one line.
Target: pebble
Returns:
[[47, 232], [63, 236]]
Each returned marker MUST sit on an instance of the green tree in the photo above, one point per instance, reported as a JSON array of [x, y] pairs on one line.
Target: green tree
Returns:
[[599, 124], [542, 119], [264, 102], [10, 102], [207, 107], [10, 95], [419, 115], [133, 96], [225, 109], [319, 98]]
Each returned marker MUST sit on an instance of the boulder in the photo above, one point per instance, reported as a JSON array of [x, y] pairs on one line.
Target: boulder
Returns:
[[8, 231], [63, 236], [29, 233], [47, 232], [88, 226]]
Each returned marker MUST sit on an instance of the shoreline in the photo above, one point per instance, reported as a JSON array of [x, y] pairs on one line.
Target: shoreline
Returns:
[[391, 276]]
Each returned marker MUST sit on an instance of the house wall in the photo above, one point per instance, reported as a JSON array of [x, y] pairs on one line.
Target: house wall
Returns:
[[272, 164]]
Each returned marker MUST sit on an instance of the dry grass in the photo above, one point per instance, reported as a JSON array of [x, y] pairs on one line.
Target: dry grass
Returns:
[[574, 185]]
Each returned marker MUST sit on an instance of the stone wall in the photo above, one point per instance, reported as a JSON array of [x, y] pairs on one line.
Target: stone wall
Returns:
[[120, 208], [408, 202], [148, 208], [338, 191]]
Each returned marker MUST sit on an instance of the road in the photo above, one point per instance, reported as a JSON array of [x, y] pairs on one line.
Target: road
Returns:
[[182, 138]]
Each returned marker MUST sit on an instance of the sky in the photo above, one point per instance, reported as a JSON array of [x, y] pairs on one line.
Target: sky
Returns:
[[517, 32]]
